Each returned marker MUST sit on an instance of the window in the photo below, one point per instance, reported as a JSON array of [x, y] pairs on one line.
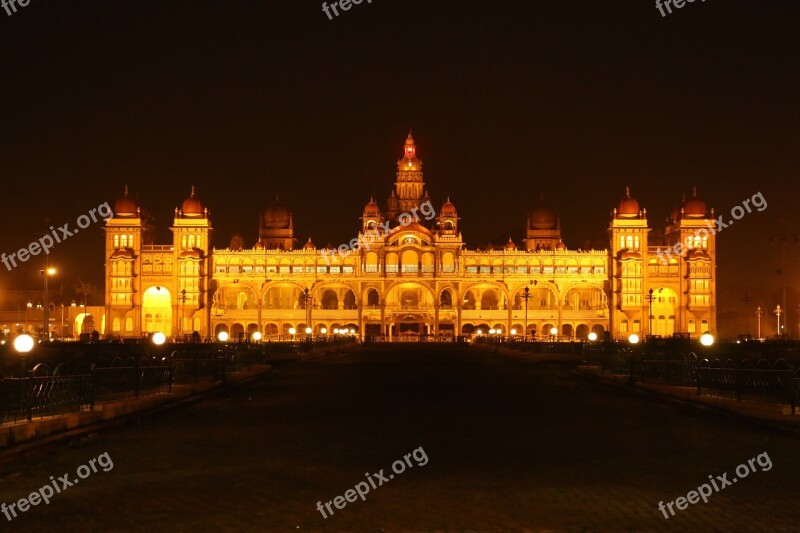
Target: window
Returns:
[[348, 269], [335, 269], [372, 269], [321, 269], [472, 269]]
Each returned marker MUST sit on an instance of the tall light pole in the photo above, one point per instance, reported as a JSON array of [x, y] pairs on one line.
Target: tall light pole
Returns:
[[47, 272], [309, 299], [759, 314], [182, 298], [778, 312], [649, 299], [526, 294]]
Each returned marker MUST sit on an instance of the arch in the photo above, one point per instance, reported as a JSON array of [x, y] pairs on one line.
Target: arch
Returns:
[[157, 310], [329, 299], [373, 298], [585, 298], [219, 328], [237, 331], [409, 261], [350, 300], [271, 329], [490, 299], [582, 331], [446, 299], [469, 301], [566, 330], [467, 329], [448, 262]]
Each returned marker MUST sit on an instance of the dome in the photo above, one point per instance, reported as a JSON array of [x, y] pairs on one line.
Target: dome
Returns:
[[628, 207], [409, 162], [448, 209], [510, 245], [561, 246], [371, 209], [694, 207], [259, 245], [277, 216], [126, 206], [192, 207], [309, 245], [542, 217]]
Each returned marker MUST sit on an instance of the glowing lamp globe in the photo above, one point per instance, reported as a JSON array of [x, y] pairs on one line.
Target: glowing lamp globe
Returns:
[[707, 339], [553, 331], [257, 336], [159, 338], [308, 331], [23, 344], [324, 331], [223, 336], [292, 331], [634, 338], [592, 336]]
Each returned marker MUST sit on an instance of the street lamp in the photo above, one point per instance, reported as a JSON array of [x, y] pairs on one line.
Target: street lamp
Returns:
[[778, 312], [759, 314], [649, 299], [592, 336], [707, 339], [159, 338], [309, 307], [182, 298], [257, 336], [23, 344], [513, 332], [292, 332], [554, 332], [223, 336], [29, 305], [492, 331], [46, 272], [324, 331], [634, 338], [526, 294]]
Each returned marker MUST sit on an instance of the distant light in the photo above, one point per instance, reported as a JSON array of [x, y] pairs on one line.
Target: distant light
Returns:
[[223, 336], [492, 331], [592, 336], [159, 338], [513, 332], [335, 331], [499, 331], [634, 338], [324, 331], [51, 271], [707, 339], [480, 332], [553, 331], [292, 331], [352, 331], [23, 344], [308, 331], [257, 336]]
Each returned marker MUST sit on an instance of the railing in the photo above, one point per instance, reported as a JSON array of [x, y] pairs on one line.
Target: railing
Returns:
[[776, 383]]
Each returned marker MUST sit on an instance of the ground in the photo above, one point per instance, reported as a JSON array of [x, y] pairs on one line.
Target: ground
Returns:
[[511, 446]]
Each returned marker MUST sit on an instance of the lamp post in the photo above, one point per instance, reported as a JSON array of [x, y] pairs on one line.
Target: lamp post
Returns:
[[182, 298], [778, 312], [759, 314], [308, 299], [649, 299], [526, 294], [27, 306]]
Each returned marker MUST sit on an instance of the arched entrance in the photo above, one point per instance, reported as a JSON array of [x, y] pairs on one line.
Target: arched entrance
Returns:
[[664, 303], [157, 311]]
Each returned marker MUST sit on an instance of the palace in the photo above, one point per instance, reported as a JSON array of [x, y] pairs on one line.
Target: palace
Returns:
[[414, 276]]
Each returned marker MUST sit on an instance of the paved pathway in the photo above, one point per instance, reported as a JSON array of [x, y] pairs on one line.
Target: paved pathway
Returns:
[[511, 446]]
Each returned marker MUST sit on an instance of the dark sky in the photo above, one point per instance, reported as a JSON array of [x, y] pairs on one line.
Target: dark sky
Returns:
[[246, 99]]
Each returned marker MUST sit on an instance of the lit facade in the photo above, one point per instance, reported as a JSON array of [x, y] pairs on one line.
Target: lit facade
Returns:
[[410, 275]]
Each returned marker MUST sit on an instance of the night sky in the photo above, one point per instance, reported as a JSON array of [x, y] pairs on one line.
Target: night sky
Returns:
[[506, 99]]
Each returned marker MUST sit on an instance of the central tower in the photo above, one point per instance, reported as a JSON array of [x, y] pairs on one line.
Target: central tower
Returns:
[[409, 187]]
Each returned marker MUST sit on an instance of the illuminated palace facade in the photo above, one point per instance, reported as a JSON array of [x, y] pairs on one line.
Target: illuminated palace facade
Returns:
[[416, 277]]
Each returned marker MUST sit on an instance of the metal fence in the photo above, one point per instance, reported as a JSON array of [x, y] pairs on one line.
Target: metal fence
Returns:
[[778, 382]]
